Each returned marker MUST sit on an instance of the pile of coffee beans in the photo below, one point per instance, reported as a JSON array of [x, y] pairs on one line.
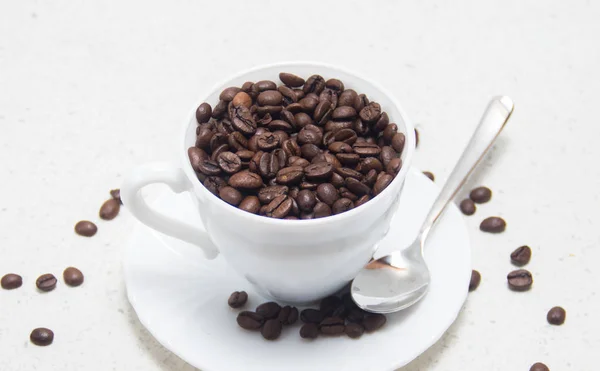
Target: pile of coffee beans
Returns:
[[301, 150], [335, 316]]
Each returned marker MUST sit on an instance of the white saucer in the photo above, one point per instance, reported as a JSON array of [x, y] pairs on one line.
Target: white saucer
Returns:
[[182, 298]]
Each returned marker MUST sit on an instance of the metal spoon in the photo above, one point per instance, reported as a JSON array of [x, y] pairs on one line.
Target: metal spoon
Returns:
[[401, 279]]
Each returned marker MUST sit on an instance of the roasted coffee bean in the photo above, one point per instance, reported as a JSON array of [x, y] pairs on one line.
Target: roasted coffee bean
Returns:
[[249, 320], [381, 124], [321, 210], [309, 185], [340, 147], [357, 187], [347, 98], [237, 299], [46, 282], [556, 316], [334, 126], [343, 113], [330, 96], [253, 143], [394, 166], [371, 112], [311, 316], [337, 180], [371, 163], [319, 171], [270, 98], [73, 276], [268, 165], [309, 331], [203, 113], [214, 183], [203, 138], [288, 315], [271, 329], [335, 84], [268, 194], [250, 88], [347, 136], [370, 178], [291, 79], [41, 336], [520, 280], [265, 120], [268, 110], [250, 204], [299, 93], [332, 326], [398, 141], [348, 159], [475, 280], [229, 162], [299, 161], [220, 109], [265, 85], [288, 94], [279, 208], [196, 156], [268, 141], [382, 183], [309, 151], [327, 193], [218, 150], [291, 148], [327, 157], [355, 315], [467, 206], [361, 102], [242, 99], [290, 175], [11, 281], [314, 84], [373, 322], [309, 136], [230, 195], [389, 132], [346, 193], [430, 175], [302, 119], [243, 121], [361, 201], [245, 180], [116, 194], [342, 205], [493, 224], [346, 172], [308, 103], [86, 228], [245, 156], [109, 209], [539, 367], [387, 154], [209, 167], [288, 117], [323, 112], [237, 141], [521, 255], [229, 93], [354, 330], [481, 195], [268, 310], [306, 200]]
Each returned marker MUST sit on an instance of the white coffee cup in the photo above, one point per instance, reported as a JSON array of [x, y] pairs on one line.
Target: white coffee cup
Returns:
[[293, 261]]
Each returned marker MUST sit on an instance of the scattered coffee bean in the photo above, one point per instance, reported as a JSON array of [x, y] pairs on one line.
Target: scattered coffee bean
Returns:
[[261, 135], [475, 280], [288, 315], [311, 316], [41, 336], [309, 331], [539, 367], [46, 282], [11, 281], [354, 330], [480, 195], [430, 175], [332, 326], [520, 280], [250, 320], [373, 322], [271, 329], [237, 299], [86, 228], [556, 316], [521, 255], [268, 310], [73, 276], [467, 206], [493, 224], [116, 194], [110, 209]]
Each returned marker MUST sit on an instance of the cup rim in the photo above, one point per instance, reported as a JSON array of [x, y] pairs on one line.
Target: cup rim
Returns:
[[409, 147]]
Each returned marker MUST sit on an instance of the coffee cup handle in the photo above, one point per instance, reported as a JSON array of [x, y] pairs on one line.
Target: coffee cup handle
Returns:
[[175, 178]]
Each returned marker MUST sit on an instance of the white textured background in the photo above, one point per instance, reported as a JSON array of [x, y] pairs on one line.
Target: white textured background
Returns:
[[89, 89]]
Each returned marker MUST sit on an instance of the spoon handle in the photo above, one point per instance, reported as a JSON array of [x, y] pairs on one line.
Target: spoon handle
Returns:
[[495, 117]]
